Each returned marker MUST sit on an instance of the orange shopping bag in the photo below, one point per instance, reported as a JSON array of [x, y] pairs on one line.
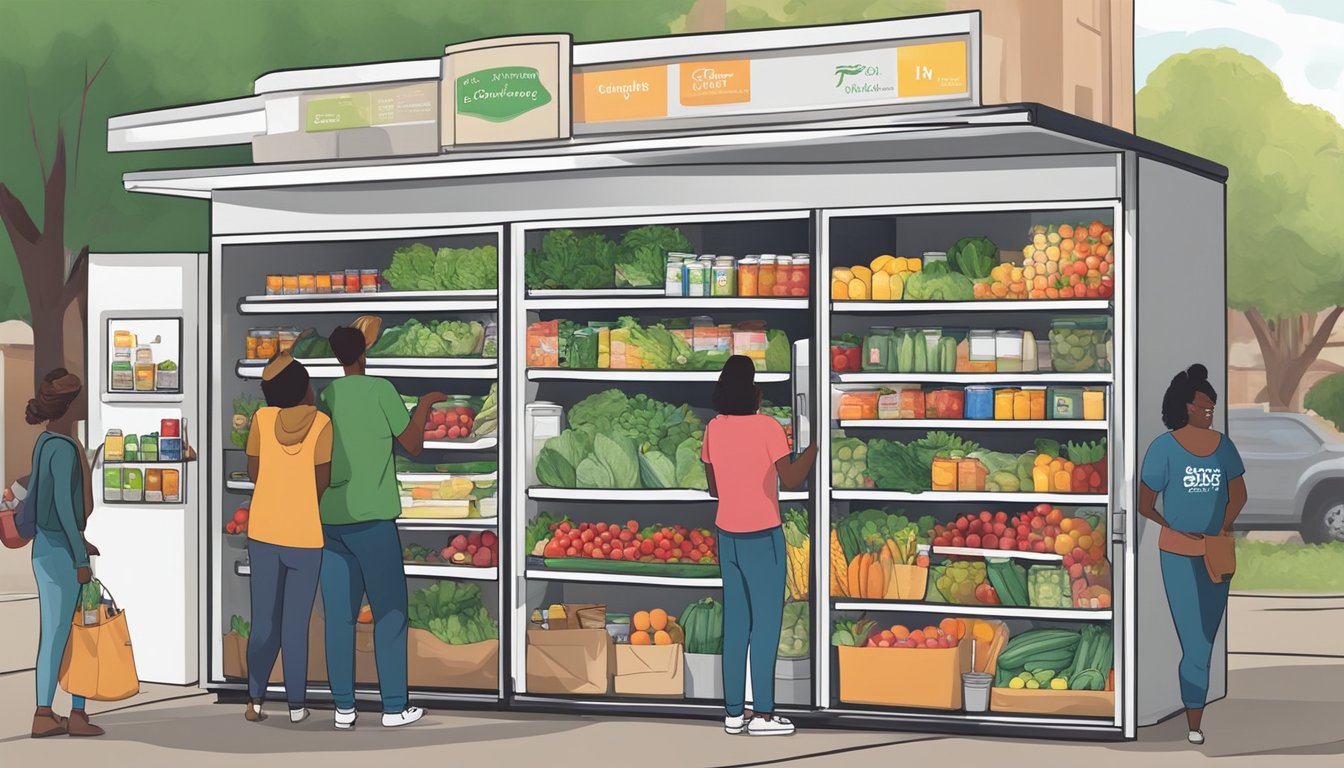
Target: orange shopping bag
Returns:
[[99, 663]]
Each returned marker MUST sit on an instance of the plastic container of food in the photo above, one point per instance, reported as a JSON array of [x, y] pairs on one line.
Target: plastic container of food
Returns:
[[1064, 403], [307, 284], [1037, 404], [132, 484], [801, 278], [352, 281], [1081, 345], [324, 283], [854, 406], [275, 285], [1008, 351], [845, 356], [945, 404], [1030, 359], [971, 475], [291, 285], [337, 281], [1003, 404], [368, 281], [981, 354], [767, 275], [1094, 404], [944, 476], [111, 482], [144, 377], [285, 338], [748, 273], [877, 349], [931, 257], [1021, 405], [264, 343], [980, 403]]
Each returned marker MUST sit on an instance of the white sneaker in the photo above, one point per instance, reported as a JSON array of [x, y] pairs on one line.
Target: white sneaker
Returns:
[[1195, 737], [735, 725], [345, 719], [411, 715], [298, 715], [772, 726]]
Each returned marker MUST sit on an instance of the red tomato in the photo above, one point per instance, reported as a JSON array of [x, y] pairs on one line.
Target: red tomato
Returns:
[[606, 548], [647, 546], [598, 555], [626, 536], [587, 535], [588, 548], [572, 551], [632, 526], [632, 553], [617, 554], [565, 527]]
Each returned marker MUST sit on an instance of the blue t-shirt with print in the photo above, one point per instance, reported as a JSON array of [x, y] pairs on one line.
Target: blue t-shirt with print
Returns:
[[1193, 488]]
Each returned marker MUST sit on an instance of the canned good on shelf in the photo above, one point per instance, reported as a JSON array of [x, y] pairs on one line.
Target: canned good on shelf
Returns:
[[291, 285], [368, 281], [275, 285]]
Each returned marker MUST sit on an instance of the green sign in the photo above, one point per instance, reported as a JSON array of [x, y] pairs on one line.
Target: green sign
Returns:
[[338, 112], [501, 94]]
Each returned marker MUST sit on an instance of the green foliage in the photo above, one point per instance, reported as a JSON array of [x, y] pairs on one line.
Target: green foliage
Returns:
[[1326, 398], [1262, 565], [755, 14], [1286, 189]]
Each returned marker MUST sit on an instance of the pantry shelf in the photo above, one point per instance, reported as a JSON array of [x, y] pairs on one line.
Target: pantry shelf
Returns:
[[636, 495], [422, 368], [391, 301], [971, 379], [975, 424], [993, 498], [413, 477], [564, 374], [987, 611], [481, 444], [421, 571], [127, 398], [543, 574], [446, 524], [1014, 554], [240, 485], [698, 303], [924, 307]]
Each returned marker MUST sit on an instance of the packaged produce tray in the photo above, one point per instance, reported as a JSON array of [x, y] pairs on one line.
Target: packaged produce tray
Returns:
[[671, 570], [1049, 702]]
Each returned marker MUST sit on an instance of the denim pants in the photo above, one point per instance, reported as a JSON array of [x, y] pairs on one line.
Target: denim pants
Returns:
[[283, 586], [1197, 607], [57, 597], [358, 559], [754, 573]]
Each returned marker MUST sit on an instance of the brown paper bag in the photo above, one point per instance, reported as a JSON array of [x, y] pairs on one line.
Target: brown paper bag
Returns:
[[912, 581], [235, 659], [574, 661], [432, 663], [650, 670]]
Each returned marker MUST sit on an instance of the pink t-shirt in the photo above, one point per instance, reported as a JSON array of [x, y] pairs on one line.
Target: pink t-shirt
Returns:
[[743, 451]]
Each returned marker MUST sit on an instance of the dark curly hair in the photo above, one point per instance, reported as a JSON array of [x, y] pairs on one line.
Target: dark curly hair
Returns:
[[1182, 391], [736, 394], [59, 388]]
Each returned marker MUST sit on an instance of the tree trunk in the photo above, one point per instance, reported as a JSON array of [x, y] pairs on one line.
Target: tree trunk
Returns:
[[1290, 346], [708, 16]]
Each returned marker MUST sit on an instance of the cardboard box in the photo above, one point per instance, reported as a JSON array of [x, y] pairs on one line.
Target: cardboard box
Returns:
[[571, 661], [235, 659], [704, 676], [432, 663], [1047, 702], [651, 670], [1087, 69], [928, 678]]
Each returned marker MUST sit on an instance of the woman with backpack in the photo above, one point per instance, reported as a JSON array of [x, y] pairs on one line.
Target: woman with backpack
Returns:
[[58, 489]]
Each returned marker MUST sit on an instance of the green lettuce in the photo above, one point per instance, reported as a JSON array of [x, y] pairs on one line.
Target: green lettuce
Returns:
[[642, 259], [778, 351], [937, 282], [973, 256], [599, 411], [467, 269], [554, 470], [690, 470], [568, 260], [619, 455], [412, 269], [656, 470], [592, 473]]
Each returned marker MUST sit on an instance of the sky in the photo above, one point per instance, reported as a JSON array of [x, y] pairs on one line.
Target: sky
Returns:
[[1301, 40]]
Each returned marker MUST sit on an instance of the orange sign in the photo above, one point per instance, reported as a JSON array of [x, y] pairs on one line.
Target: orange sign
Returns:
[[620, 94], [932, 69], [705, 83]]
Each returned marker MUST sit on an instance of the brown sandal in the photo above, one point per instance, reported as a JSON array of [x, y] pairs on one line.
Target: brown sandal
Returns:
[[48, 724], [253, 713], [79, 724]]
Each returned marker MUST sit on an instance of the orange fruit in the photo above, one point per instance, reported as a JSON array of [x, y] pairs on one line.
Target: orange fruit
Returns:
[[900, 632], [1063, 544], [640, 638], [1066, 231], [661, 637], [984, 632], [658, 619], [642, 621], [948, 626]]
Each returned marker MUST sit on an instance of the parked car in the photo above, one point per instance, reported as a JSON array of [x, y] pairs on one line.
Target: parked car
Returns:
[[1294, 473]]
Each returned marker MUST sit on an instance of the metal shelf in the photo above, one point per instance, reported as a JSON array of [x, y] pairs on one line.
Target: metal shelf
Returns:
[[973, 424], [987, 611], [570, 374], [130, 398], [422, 571], [1014, 554], [544, 574], [587, 300], [485, 369], [993, 498], [479, 444], [637, 495], [970, 379], [929, 307], [388, 301], [412, 477], [448, 524]]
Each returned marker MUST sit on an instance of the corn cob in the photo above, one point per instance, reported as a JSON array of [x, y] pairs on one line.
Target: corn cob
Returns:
[[839, 568]]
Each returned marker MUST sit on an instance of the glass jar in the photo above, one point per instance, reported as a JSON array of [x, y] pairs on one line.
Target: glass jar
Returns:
[[285, 338], [783, 275], [291, 285], [766, 277], [748, 272], [307, 284], [324, 283], [801, 279], [932, 257], [368, 281], [266, 343], [275, 285], [981, 355], [144, 354], [337, 282], [1081, 345], [352, 281]]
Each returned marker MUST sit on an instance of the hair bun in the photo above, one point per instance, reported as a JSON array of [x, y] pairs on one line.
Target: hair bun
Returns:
[[1197, 373]]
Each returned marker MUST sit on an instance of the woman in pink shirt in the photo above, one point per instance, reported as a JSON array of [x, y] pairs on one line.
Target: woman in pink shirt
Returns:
[[747, 458]]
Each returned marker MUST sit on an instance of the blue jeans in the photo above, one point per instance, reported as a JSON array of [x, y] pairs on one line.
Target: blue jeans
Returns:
[[283, 586], [360, 558], [57, 598], [754, 574], [1197, 607]]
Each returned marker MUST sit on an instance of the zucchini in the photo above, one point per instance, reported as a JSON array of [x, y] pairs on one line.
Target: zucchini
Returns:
[[921, 354], [1032, 645]]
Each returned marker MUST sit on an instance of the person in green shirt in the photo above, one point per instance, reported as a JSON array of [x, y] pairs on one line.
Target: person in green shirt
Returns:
[[362, 550]]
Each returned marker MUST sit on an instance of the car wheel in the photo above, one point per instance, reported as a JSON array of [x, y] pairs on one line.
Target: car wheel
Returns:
[[1324, 521]]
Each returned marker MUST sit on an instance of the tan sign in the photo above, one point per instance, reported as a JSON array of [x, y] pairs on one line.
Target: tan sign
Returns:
[[932, 69], [506, 89]]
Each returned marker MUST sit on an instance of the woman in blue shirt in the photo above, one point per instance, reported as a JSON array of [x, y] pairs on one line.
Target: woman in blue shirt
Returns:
[[1199, 475], [57, 487]]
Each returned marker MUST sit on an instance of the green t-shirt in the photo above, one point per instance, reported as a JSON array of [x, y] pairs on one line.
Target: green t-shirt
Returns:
[[367, 414]]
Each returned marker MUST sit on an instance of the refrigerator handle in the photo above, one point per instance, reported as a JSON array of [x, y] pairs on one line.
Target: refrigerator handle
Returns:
[[799, 409], [1118, 526]]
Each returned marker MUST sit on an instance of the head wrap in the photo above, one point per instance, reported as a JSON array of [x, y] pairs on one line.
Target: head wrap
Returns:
[[58, 390], [277, 364]]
